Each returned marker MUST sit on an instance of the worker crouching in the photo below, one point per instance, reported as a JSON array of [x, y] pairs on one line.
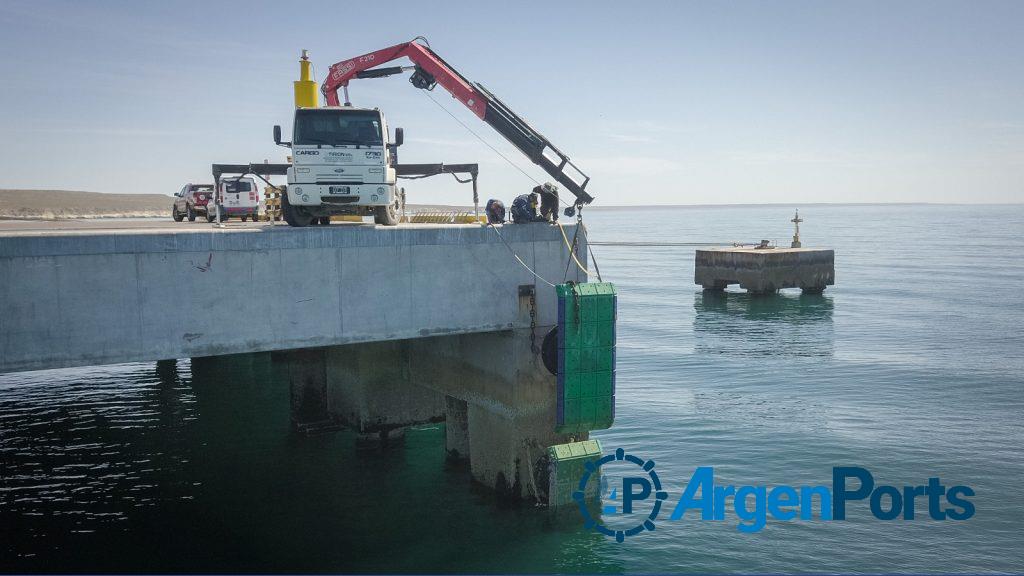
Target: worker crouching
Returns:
[[540, 205]]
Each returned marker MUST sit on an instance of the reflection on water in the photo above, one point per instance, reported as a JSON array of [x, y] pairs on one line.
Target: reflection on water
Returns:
[[194, 467], [81, 457], [742, 324]]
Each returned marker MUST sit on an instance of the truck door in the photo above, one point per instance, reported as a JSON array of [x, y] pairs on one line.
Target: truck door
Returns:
[[234, 190]]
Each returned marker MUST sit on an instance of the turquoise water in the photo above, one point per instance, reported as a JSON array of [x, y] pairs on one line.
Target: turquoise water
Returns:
[[911, 366]]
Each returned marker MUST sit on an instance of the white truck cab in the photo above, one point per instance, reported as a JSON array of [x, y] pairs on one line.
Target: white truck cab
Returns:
[[341, 164]]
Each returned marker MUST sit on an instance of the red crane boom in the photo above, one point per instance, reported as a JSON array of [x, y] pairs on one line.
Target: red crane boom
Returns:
[[430, 70]]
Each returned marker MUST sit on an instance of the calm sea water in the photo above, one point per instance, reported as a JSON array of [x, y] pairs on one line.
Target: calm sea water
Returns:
[[911, 366]]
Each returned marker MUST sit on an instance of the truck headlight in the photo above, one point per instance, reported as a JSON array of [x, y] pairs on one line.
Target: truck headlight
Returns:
[[380, 189], [298, 190]]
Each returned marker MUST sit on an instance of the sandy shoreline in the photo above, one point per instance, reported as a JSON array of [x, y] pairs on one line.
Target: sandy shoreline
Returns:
[[71, 204], [76, 205]]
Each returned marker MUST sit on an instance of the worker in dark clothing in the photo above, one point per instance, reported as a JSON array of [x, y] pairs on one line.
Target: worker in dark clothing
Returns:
[[495, 211], [524, 209], [548, 193], [525, 206]]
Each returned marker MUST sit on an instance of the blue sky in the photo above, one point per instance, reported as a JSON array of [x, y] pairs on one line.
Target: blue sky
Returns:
[[660, 102]]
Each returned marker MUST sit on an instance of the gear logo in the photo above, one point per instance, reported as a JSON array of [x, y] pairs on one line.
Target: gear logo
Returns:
[[634, 489]]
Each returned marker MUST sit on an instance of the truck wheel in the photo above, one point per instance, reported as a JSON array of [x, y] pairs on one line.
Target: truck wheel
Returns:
[[245, 217], [297, 216], [325, 220], [209, 217], [191, 213], [176, 215], [387, 215]]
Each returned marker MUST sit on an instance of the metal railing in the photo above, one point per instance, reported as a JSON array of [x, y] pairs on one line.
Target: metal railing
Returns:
[[443, 217]]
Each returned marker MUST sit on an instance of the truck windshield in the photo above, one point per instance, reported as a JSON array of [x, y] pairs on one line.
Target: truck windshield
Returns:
[[337, 127]]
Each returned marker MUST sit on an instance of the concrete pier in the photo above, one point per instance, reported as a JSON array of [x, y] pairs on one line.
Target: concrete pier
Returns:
[[88, 298], [765, 270], [372, 328]]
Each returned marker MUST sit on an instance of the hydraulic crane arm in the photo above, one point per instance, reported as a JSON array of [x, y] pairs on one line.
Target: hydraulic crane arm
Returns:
[[431, 70]]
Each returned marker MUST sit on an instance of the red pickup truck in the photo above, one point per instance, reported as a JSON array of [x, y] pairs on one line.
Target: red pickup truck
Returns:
[[190, 201]]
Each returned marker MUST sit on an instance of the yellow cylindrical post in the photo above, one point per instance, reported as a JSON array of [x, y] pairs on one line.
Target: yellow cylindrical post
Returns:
[[305, 86]]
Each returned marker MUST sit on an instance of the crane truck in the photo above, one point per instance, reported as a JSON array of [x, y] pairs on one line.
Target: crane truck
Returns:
[[342, 162]]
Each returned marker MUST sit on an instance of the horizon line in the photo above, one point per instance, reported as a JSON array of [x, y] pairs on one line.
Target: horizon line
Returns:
[[616, 206], [799, 204]]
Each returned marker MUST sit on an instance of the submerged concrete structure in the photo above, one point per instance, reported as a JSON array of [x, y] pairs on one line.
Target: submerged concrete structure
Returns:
[[764, 270], [374, 328]]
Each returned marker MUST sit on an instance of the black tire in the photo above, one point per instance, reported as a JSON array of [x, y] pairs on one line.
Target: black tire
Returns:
[[211, 214], [297, 217], [549, 351], [325, 220], [245, 217], [388, 215], [191, 213], [176, 215]]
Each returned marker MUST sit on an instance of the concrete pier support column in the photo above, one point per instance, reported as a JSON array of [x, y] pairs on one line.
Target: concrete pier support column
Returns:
[[510, 399], [307, 376], [496, 459], [509, 454], [370, 389], [167, 370], [456, 438]]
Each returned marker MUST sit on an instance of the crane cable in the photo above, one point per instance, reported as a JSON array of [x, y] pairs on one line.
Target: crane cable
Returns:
[[488, 144], [568, 261], [512, 250], [480, 138], [670, 244], [572, 252]]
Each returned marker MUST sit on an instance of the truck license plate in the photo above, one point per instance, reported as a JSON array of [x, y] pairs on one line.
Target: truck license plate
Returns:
[[340, 189]]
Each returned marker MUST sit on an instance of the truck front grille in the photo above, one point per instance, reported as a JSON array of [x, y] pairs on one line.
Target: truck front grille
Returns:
[[334, 181]]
